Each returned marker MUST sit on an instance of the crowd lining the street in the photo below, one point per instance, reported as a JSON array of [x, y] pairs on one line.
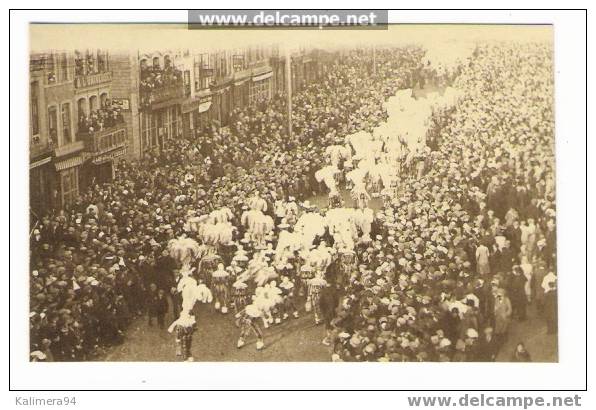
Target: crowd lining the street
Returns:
[[456, 254]]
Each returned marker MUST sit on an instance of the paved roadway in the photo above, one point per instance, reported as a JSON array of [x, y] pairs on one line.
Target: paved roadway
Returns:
[[295, 340], [292, 341], [215, 340]]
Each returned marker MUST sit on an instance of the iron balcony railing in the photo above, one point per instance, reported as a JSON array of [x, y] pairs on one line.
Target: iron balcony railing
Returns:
[[162, 94], [100, 142], [91, 80]]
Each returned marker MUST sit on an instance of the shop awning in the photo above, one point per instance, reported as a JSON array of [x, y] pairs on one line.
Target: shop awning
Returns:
[[240, 82], [190, 105], [241, 76], [204, 106], [201, 104], [262, 76], [40, 162], [262, 69], [168, 103], [69, 163]]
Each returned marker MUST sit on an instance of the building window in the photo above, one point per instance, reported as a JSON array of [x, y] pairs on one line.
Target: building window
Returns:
[[259, 92], [79, 64], [81, 112], [53, 125], [102, 61], [70, 186], [154, 129], [187, 83], [39, 189], [93, 104], [34, 108], [204, 58], [66, 134], [238, 62], [222, 63], [91, 63], [175, 121], [146, 131], [51, 74], [203, 71], [103, 99], [63, 67]]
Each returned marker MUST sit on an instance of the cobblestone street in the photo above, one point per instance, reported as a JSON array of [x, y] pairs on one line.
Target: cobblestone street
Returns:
[[215, 340], [293, 340]]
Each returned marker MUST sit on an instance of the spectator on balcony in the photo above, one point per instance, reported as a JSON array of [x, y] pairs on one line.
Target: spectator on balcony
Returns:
[[106, 117], [155, 78]]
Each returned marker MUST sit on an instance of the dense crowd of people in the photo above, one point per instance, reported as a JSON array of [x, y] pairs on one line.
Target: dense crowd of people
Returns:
[[474, 238], [155, 78], [97, 120], [453, 256]]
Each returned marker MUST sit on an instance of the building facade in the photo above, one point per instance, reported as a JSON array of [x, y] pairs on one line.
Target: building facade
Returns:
[[231, 79], [90, 109], [165, 89], [75, 132], [181, 93]]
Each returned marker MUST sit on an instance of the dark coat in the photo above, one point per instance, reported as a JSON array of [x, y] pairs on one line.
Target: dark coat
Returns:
[[487, 349], [329, 302]]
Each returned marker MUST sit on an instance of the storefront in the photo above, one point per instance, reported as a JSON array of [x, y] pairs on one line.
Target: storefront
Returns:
[[196, 114], [102, 167], [222, 104], [41, 186], [241, 92], [159, 125], [260, 88], [67, 171]]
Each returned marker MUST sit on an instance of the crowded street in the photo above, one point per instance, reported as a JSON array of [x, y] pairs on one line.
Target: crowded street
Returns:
[[396, 205], [291, 342]]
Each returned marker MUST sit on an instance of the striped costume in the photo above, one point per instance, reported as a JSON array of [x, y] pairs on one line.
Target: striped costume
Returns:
[[347, 265], [207, 266], [306, 273], [184, 340], [240, 297], [315, 287], [248, 325]]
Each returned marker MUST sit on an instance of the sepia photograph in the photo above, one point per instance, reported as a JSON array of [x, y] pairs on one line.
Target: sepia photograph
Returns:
[[292, 195]]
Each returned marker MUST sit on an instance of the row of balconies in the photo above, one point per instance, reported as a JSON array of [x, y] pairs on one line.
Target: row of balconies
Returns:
[[91, 80], [53, 77], [163, 94], [95, 143]]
